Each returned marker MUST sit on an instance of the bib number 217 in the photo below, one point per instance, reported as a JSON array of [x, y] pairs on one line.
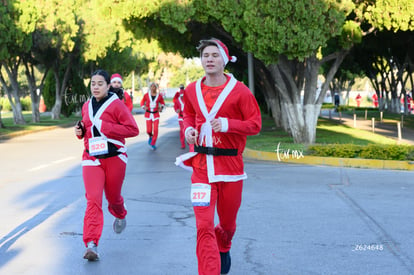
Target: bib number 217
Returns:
[[200, 194]]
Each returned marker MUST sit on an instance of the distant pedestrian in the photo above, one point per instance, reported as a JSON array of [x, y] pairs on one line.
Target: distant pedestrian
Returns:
[[106, 122], [337, 100], [177, 94], [219, 113], [358, 100], [409, 99], [153, 103], [179, 109], [375, 100], [116, 87]]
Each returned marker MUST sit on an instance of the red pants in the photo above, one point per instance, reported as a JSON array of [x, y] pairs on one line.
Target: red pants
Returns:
[[182, 136], [212, 240], [152, 129], [106, 177]]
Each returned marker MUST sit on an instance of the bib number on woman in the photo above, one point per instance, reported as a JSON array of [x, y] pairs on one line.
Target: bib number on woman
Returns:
[[200, 194], [98, 146]]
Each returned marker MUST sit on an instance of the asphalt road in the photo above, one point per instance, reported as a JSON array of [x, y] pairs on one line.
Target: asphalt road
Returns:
[[294, 219]]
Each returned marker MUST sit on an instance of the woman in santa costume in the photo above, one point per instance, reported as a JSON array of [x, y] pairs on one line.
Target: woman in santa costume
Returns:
[[106, 122], [116, 87], [153, 103], [219, 113], [179, 108]]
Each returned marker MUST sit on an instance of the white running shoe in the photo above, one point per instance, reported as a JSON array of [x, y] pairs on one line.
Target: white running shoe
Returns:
[[119, 225], [91, 253]]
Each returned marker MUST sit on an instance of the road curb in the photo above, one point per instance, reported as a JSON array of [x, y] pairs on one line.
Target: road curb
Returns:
[[26, 132], [329, 161]]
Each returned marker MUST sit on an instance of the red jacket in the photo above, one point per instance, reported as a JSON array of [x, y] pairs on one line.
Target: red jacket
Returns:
[[112, 120], [153, 107], [241, 116], [179, 105]]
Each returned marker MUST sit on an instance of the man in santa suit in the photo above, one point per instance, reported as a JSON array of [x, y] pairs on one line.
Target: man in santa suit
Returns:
[[153, 103], [179, 108], [219, 113], [178, 93], [116, 88]]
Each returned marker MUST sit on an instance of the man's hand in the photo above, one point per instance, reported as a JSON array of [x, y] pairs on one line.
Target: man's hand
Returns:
[[216, 125], [191, 136]]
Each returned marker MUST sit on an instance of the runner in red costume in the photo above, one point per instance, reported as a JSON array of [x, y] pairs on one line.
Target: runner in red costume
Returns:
[[219, 113], [153, 103], [116, 87], [179, 108], [106, 122]]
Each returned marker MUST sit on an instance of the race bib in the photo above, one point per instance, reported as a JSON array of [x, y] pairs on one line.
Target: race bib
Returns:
[[153, 105], [200, 194], [98, 146]]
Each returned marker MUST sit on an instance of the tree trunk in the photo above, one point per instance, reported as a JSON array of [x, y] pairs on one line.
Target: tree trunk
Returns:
[[60, 88], [35, 111], [13, 92], [35, 91], [266, 84], [301, 101]]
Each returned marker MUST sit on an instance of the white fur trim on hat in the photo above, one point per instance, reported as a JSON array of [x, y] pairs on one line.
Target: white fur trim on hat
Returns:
[[115, 79], [224, 53]]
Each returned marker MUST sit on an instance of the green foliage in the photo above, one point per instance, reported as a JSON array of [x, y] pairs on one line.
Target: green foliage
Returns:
[[5, 103], [75, 95], [371, 151], [49, 90], [391, 15], [26, 103], [351, 34]]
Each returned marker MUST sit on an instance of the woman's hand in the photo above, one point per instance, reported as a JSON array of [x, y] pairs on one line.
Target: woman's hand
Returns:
[[79, 129]]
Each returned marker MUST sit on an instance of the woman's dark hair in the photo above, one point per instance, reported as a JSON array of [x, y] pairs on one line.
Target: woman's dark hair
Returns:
[[104, 74]]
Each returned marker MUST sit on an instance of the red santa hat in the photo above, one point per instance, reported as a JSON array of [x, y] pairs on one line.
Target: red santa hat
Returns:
[[116, 77], [224, 52]]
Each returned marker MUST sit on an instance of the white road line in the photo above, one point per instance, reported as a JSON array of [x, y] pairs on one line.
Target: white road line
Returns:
[[50, 164], [63, 160]]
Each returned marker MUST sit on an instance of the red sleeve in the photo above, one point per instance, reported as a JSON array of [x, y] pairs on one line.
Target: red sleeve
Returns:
[[126, 126], [143, 100], [251, 121], [176, 105], [189, 112], [128, 101], [161, 100], [177, 94]]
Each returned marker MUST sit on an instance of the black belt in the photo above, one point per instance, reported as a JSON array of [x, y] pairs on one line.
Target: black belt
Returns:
[[215, 151], [105, 156], [152, 112]]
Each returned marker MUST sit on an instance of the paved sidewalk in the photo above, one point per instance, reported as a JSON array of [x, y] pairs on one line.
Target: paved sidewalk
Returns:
[[383, 128]]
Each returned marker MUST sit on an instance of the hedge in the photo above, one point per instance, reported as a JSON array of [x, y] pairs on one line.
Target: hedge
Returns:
[[371, 151]]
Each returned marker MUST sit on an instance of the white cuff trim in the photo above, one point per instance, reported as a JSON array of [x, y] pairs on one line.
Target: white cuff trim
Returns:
[[224, 124]]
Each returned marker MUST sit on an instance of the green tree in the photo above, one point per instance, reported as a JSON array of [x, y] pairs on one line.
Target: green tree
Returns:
[[386, 58], [286, 38], [15, 41]]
